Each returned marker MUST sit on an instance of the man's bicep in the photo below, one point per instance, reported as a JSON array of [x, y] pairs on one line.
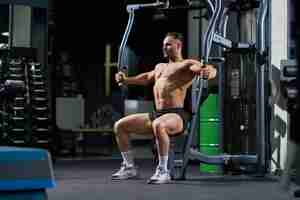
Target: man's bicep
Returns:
[[151, 75]]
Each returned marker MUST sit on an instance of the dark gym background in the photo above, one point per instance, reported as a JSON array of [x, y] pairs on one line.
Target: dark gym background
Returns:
[[85, 29]]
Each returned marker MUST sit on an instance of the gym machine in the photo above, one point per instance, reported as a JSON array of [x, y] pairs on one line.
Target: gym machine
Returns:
[[240, 104]]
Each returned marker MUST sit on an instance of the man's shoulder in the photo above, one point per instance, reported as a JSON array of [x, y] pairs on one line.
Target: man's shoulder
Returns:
[[160, 65], [192, 60]]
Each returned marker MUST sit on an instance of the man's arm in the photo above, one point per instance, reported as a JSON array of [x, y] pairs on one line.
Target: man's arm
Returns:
[[208, 71], [199, 68], [141, 79]]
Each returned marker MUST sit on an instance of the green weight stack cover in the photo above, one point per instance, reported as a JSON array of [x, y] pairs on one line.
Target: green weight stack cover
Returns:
[[210, 107], [209, 150], [209, 143], [209, 132]]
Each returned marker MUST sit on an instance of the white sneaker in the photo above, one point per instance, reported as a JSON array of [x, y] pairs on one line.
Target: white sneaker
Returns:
[[160, 176], [155, 175], [125, 172]]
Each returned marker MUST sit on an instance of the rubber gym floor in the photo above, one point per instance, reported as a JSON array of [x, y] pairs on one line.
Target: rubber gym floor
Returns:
[[89, 179]]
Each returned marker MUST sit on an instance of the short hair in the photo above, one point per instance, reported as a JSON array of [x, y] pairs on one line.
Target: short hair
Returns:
[[175, 35]]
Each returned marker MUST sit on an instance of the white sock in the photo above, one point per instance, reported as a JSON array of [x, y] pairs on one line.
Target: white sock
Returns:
[[128, 158], [157, 148], [163, 162]]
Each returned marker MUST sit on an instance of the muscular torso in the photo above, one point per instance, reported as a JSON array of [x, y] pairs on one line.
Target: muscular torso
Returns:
[[171, 83]]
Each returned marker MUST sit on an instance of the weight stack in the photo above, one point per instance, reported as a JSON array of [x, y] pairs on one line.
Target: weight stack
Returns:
[[209, 138], [26, 173], [41, 136], [17, 107], [239, 113]]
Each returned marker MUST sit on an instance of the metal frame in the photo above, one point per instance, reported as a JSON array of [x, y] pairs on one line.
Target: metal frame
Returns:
[[121, 54], [178, 167], [192, 153], [260, 90]]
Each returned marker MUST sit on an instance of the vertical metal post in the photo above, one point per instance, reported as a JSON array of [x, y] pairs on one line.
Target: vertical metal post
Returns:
[[247, 34], [260, 98], [10, 27], [221, 78], [107, 69]]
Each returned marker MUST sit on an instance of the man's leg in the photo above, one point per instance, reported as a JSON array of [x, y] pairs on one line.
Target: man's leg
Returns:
[[163, 127], [138, 124], [122, 138], [163, 143]]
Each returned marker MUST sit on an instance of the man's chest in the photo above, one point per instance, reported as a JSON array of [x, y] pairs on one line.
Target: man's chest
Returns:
[[166, 72]]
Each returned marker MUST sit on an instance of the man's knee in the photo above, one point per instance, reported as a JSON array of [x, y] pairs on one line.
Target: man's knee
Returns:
[[119, 126], [159, 128], [116, 127]]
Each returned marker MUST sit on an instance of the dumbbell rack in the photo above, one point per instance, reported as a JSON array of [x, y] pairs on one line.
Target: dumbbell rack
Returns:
[[37, 88], [17, 107], [3, 114], [24, 119]]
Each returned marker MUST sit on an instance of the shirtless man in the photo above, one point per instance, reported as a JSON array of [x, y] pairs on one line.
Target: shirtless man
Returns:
[[171, 81]]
